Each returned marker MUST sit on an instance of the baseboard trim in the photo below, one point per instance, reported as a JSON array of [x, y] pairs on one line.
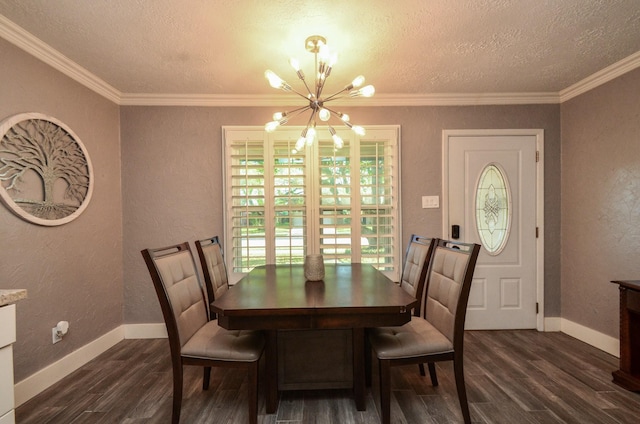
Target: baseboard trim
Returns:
[[145, 331], [51, 374], [599, 340], [552, 324]]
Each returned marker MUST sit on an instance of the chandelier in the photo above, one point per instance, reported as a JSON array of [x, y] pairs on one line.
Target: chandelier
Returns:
[[324, 61]]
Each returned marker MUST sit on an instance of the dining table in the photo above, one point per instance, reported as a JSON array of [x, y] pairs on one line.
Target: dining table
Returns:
[[278, 297]]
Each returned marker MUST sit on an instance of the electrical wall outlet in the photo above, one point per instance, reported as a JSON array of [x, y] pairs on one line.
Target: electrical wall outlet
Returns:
[[55, 337]]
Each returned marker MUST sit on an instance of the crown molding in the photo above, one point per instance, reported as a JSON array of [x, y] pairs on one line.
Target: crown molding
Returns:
[[607, 74], [34, 46], [216, 100], [465, 99], [380, 100]]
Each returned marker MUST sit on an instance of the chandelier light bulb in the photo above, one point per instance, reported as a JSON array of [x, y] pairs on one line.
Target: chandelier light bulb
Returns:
[[332, 59], [324, 53], [311, 135], [324, 115], [358, 81], [337, 141], [278, 116], [275, 81], [366, 91], [294, 64], [271, 126], [300, 144], [358, 130], [344, 117]]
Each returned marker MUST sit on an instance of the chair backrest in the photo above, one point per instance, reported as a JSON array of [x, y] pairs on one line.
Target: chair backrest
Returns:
[[448, 285], [416, 265], [213, 267], [179, 291]]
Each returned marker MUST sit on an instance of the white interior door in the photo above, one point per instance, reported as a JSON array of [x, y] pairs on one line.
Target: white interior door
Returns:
[[491, 193]]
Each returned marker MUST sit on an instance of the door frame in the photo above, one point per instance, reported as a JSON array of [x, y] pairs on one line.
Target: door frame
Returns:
[[539, 135]]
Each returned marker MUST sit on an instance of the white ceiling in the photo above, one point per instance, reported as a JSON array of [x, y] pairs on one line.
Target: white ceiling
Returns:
[[408, 49]]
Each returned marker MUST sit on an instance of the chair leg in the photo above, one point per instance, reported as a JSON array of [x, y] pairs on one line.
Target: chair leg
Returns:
[[385, 391], [177, 393], [421, 369], [206, 378], [253, 392], [458, 369], [432, 374]]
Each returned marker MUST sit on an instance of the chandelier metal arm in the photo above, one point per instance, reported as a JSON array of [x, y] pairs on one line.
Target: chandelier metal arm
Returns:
[[313, 114], [337, 93], [304, 96], [307, 87], [297, 111], [316, 69], [321, 83]]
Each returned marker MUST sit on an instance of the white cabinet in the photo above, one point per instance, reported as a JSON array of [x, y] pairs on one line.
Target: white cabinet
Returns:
[[7, 338]]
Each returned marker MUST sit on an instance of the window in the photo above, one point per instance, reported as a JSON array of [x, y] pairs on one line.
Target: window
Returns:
[[282, 204]]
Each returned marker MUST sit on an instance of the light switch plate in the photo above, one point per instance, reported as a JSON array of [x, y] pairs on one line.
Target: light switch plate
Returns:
[[430, 202]]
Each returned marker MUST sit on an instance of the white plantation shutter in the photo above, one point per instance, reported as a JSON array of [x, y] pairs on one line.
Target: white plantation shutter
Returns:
[[246, 196], [282, 204], [335, 209], [378, 203], [290, 200]]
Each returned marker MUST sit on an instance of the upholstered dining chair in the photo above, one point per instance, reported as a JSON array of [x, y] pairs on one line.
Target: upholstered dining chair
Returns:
[[414, 272], [213, 269], [194, 339], [416, 264], [438, 334]]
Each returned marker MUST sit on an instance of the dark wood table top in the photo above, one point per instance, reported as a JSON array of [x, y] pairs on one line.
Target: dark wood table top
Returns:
[[278, 297], [629, 284]]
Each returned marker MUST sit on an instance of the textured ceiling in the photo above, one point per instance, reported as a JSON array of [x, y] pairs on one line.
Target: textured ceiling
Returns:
[[403, 47]]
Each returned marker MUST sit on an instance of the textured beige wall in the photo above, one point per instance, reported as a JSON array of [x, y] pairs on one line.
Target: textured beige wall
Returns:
[[72, 272], [172, 177], [600, 200]]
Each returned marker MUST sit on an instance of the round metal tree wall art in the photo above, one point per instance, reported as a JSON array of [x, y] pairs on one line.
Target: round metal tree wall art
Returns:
[[45, 172]]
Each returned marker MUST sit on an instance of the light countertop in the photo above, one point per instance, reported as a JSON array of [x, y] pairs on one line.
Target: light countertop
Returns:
[[8, 296]]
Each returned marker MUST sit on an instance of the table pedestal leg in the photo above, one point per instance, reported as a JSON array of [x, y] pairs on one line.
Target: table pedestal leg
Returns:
[[271, 370], [358, 368]]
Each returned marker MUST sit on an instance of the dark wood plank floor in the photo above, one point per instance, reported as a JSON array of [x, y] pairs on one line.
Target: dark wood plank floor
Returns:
[[512, 377]]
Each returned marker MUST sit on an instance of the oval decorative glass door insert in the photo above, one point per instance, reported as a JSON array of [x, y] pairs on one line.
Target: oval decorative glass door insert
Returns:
[[493, 209]]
